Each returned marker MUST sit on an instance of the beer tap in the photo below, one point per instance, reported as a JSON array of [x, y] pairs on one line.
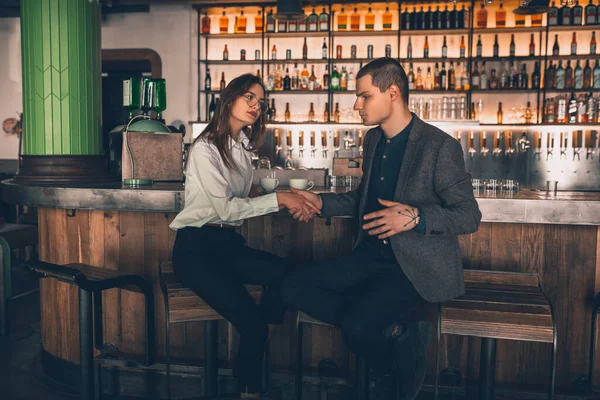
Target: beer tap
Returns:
[[324, 143], [523, 144], [537, 144], [563, 145], [550, 150], [497, 146], [289, 163], [471, 150], [591, 145], [348, 141], [484, 150], [313, 147], [509, 148], [577, 145], [277, 142], [336, 143], [360, 142], [301, 144]]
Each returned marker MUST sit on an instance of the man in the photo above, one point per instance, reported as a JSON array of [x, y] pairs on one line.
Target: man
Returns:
[[414, 199]]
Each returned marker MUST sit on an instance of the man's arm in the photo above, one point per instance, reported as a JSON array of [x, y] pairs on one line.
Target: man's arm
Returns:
[[459, 212]]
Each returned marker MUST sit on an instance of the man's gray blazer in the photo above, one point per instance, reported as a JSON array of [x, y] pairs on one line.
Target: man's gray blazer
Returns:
[[432, 177]]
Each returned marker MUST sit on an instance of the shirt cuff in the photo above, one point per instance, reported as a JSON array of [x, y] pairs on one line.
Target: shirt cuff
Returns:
[[266, 204], [421, 225], [323, 207]]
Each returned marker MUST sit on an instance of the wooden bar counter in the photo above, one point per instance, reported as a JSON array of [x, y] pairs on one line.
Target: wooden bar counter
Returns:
[[126, 229]]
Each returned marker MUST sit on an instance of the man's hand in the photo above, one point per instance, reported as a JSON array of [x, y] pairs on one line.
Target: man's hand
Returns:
[[311, 197], [298, 205], [393, 219]]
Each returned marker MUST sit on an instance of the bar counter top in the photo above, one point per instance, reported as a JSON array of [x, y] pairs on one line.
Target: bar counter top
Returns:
[[524, 206]]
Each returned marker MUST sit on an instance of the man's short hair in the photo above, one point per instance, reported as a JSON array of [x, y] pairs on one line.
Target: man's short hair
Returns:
[[386, 72]]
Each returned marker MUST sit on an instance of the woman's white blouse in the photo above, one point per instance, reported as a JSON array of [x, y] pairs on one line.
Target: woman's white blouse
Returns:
[[219, 195]]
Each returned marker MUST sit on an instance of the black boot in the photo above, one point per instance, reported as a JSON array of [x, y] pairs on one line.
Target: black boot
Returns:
[[411, 358], [386, 387]]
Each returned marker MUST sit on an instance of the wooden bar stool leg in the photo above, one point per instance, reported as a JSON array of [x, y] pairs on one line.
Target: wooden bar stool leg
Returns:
[[211, 358], [487, 369], [86, 344]]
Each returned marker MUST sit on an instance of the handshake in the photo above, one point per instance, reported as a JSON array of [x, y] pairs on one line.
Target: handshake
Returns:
[[302, 204]]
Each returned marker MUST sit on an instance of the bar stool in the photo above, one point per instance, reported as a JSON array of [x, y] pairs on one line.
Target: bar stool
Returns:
[[92, 281], [362, 377], [12, 237]]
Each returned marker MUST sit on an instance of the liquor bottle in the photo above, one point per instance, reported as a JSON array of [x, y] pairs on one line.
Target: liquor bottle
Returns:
[[325, 117], [225, 53], [324, 53], [369, 20], [587, 75], [242, 22], [535, 76], [550, 77], [287, 81], [258, 22], [426, 48], [419, 19], [593, 44], [326, 80], [411, 77], [536, 20], [387, 19], [207, 81], [553, 15], [572, 109], [482, 15], [342, 21], [528, 113], [281, 25], [499, 114], [273, 111], [524, 77], [465, 81], [324, 21], [458, 77], [451, 76], [463, 48], [274, 53], [531, 47], [223, 23], [454, 17], [436, 77], [444, 47], [565, 15], [591, 14], [596, 75], [501, 17], [479, 46], [312, 79], [222, 83], [351, 80], [475, 78], [313, 21], [288, 115], [212, 107], [519, 20], [311, 118], [419, 84], [303, 25], [296, 78], [428, 80], [443, 77], [447, 18], [336, 118], [577, 14], [355, 20], [292, 26], [555, 49], [493, 80], [569, 76], [132, 94], [278, 80], [338, 51], [578, 76], [270, 22], [335, 79], [436, 18], [304, 79], [512, 45], [304, 50], [409, 48], [574, 44], [483, 78], [205, 24], [428, 19], [466, 18], [560, 76], [496, 47]]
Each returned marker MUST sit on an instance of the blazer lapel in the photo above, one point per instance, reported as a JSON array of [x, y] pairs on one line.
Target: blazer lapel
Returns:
[[413, 148], [368, 160]]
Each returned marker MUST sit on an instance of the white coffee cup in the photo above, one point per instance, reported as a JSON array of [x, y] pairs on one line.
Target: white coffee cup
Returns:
[[269, 184], [301, 184]]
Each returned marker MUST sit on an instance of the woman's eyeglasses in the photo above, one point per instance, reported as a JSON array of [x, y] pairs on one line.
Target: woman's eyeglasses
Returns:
[[251, 100]]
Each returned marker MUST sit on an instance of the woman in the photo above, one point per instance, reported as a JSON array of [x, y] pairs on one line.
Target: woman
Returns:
[[209, 256]]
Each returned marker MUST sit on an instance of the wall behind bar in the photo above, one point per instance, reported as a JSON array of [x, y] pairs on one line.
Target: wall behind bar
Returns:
[[169, 30]]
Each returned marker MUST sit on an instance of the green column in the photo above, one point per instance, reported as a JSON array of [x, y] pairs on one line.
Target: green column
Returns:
[[61, 77]]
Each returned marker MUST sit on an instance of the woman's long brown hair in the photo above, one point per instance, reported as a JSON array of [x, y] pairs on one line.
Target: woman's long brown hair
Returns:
[[218, 130]]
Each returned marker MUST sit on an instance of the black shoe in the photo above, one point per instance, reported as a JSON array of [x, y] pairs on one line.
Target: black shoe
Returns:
[[411, 358], [386, 387]]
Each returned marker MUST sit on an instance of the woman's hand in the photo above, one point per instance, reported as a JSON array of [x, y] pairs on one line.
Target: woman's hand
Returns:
[[298, 205]]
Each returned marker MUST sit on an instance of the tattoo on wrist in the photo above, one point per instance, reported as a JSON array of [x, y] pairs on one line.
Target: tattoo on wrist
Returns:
[[412, 214]]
